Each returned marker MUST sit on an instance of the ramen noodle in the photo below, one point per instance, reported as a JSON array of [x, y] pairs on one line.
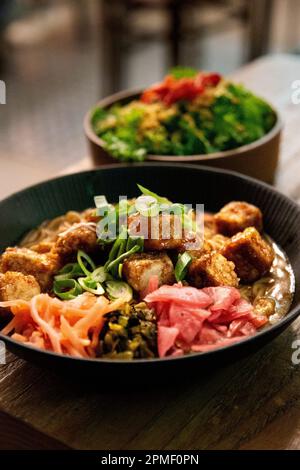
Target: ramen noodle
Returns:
[[69, 289]]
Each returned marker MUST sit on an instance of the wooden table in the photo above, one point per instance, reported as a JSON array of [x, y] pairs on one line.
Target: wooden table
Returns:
[[254, 403]]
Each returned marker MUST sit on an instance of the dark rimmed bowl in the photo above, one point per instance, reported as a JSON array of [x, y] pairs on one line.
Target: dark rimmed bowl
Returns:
[[188, 184], [258, 159]]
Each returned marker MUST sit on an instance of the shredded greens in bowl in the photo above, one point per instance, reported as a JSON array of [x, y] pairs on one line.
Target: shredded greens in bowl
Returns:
[[189, 113]]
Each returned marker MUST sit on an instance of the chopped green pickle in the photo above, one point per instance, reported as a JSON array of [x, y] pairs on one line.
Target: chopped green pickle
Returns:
[[129, 334]]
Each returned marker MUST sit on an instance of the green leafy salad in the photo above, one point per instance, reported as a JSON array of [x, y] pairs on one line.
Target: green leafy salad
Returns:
[[188, 113]]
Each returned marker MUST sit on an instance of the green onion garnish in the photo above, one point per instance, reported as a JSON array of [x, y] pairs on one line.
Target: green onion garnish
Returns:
[[60, 286], [119, 289], [120, 258], [123, 247], [147, 206], [102, 205], [100, 201], [182, 265], [147, 192], [83, 258], [99, 274], [90, 285], [69, 271], [120, 270], [177, 209]]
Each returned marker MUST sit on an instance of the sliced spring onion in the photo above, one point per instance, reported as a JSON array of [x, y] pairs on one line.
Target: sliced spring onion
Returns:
[[66, 289], [120, 270], [147, 206], [99, 274], [182, 265], [117, 261], [132, 241], [113, 252], [119, 289], [189, 223], [90, 285], [102, 205], [147, 192], [106, 228], [69, 271], [100, 201], [122, 208], [178, 209], [83, 258], [122, 246]]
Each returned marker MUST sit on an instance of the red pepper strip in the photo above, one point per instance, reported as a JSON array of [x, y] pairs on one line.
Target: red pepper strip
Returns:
[[172, 90]]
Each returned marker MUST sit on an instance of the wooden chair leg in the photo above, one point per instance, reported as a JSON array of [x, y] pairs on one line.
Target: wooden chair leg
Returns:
[[111, 27], [260, 21], [175, 32]]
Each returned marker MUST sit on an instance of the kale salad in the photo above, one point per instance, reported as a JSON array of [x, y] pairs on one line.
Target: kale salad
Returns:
[[188, 113]]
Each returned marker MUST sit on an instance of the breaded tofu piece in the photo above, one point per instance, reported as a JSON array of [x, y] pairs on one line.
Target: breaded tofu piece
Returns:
[[251, 254], [212, 269], [217, 242], [236, 216], [139, 268], [41, 266], [163, 232], [42, 247], [14, 286], [78, 237], [90, 215], [210, 226], [205, 248]]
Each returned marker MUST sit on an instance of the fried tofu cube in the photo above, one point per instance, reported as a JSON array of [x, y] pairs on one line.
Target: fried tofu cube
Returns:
[[41, 266], [42, 247], [77, 237], [162, 232], [217, 242], [14, 286], [251, 254], [212, 269], [139, 268], [236, 216], [205, 249], [210, 226]]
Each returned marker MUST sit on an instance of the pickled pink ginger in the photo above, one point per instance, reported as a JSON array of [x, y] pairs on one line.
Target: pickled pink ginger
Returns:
[[199, 320]]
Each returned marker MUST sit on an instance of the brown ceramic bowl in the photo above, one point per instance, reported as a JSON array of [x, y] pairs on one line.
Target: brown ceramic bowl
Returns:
[[258, 159]]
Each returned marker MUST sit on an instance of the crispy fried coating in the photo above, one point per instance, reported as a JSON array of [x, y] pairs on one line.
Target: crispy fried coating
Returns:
[[251, 254], [217, 242], [15, 285], [41, 266], [210, 227], [205, 248], [42, 247], [139, 268], [163, 232], [236, 216], [78, 237], [90, 215], [212, 269]]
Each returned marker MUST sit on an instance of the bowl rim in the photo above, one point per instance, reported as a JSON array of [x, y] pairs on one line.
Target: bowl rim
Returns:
[[133, 93], [289, 317]]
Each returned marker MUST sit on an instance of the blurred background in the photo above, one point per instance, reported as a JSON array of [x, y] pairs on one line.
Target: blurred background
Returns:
[[58, 57]]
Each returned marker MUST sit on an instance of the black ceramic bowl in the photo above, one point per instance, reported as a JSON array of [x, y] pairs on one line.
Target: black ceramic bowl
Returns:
[[189, 184]]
